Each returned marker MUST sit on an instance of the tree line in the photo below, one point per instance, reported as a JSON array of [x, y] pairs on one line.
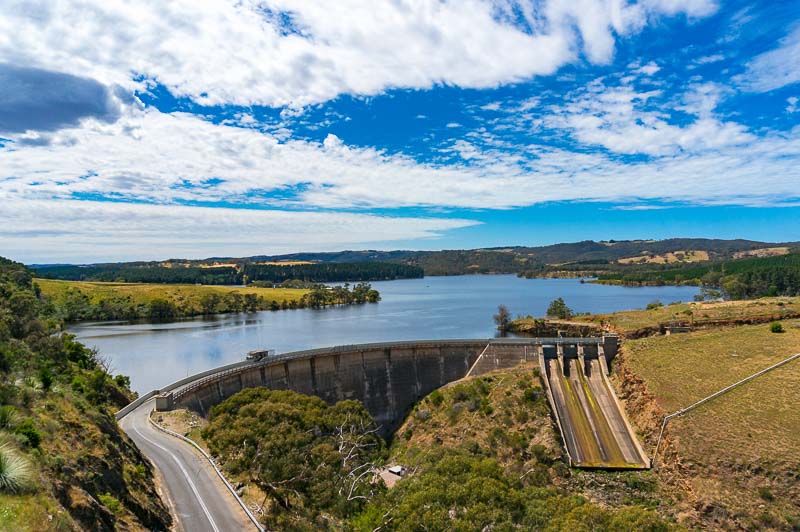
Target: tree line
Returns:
[[77, 305]]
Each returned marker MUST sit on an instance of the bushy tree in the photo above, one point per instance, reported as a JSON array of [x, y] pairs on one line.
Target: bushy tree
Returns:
[[559, 309]]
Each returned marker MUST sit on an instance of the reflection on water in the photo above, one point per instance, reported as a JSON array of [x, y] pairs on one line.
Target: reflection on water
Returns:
[[155, 354]]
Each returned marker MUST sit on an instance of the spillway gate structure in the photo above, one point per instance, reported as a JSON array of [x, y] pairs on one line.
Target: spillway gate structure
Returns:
[[596, 433]]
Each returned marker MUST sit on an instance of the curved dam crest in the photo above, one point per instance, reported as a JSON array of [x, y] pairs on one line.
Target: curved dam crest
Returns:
[[389, 378]]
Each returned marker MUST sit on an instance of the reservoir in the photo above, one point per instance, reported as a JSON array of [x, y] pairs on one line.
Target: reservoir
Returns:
[[156, 354]]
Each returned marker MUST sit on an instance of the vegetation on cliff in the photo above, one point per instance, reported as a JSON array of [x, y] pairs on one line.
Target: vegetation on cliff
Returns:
[[64, 462], [484, 452]]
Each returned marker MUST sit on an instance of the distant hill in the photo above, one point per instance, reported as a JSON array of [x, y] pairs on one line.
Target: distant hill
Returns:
[[575, 258], [516, 259]]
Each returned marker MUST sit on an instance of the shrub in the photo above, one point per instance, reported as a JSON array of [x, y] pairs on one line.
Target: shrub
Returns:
[[531, 395], [46, 378], [110, 502], [132, 472], [436, 397], [15, 471], [641, 483], [765, 493], [78, 385], [656, 304], [9, 418], [32, 435], [776, 327]]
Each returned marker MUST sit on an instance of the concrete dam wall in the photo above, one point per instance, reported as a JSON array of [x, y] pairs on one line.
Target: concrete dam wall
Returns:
[[389, 378]]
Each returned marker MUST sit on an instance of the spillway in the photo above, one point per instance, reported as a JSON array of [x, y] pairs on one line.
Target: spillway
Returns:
[[589, 416]]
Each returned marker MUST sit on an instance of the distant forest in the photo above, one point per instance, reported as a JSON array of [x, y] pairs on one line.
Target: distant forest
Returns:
[[232, 275], [738, 279]]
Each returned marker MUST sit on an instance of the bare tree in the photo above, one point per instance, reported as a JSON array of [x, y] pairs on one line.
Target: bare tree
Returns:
[[502, 318]]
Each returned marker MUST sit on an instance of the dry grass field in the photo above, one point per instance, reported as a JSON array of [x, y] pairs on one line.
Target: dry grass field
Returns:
[[689, 255], [143, 293], [739, 454], [735, 311]]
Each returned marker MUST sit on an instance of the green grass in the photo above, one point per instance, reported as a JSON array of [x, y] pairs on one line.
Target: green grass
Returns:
[[144, 293], [32, 513]]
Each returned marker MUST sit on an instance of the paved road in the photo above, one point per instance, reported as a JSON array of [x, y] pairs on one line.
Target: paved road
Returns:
[[199, 499]]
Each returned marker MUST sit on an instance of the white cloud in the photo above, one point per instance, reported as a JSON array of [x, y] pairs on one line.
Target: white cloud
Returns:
[[792, 106], [152, 157], [708, 59], [649, 69], [86, 231], [242, 52], [776, 68], [620, 119]]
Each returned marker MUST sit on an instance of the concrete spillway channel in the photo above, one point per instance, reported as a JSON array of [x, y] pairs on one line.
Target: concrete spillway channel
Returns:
[[589, 416]]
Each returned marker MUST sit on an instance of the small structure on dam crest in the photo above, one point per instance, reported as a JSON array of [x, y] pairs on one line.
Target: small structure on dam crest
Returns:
[[390, 377]]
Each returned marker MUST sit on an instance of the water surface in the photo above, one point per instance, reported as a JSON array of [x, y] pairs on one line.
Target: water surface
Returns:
[[156, 354]]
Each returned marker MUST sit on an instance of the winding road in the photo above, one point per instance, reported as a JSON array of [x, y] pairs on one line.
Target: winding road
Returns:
[[197, 496]]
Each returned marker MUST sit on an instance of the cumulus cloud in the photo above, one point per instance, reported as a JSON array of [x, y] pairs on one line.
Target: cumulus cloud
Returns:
[[289, 53], [89, 231], [42, 100]]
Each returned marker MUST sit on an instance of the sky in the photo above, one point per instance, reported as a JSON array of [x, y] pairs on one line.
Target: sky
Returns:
[[150, 130]]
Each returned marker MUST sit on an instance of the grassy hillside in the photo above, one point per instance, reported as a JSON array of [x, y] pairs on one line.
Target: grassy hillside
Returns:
[[737, 457], [82, 300], [483, 452], [739, 279], [145, 293], [64, 462]]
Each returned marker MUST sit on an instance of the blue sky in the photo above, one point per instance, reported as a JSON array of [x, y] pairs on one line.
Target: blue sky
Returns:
[[139, 131]]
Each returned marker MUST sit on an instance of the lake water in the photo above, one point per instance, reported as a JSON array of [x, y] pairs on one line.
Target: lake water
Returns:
[[156, 354]]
